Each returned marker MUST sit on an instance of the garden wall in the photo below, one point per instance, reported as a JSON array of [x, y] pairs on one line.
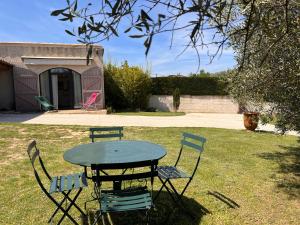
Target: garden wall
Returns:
[[192, 103]]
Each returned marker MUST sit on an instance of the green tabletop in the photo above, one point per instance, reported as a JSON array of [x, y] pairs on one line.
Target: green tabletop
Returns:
[[113, 152]]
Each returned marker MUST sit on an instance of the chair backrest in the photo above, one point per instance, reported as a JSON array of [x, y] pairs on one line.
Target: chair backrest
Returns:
[[91, 99], [106, 132], [44, 102], [99, 177], [34, 156], [192, 142]]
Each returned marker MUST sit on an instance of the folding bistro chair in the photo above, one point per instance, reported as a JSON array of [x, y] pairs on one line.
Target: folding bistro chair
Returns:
[[102, 133], [90, 101], [59, 184], [167, 173], [46, 105], [132, 199], [106, 132]]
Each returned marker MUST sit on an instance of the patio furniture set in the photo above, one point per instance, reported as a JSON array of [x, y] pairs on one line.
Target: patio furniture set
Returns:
[[116, 162]]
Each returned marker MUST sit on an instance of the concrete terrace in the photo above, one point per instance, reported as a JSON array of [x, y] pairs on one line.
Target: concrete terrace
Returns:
[[213, 120]]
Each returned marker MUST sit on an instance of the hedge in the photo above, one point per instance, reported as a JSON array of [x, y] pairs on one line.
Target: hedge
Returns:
[[189, 85]]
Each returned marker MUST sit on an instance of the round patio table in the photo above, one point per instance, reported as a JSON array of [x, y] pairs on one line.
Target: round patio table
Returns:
[[114, 152]]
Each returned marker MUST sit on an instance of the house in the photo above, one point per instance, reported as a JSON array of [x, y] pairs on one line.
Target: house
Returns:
[[57, 71]]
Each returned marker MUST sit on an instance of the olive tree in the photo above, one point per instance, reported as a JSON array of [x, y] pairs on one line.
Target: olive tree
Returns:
[[270, 79], [205, 22]]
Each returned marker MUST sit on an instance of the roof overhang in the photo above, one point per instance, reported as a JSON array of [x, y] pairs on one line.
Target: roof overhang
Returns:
[[4, 64], [73, 61]]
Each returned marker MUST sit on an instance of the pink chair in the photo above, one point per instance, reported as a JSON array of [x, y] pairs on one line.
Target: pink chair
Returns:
[[91, 100]]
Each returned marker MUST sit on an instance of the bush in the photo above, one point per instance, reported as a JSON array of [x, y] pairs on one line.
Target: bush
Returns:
[[126, 87], [176, 99], [194, 85]]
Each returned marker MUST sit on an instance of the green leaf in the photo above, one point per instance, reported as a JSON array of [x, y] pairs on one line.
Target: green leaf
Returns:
[[196, 28], [75, 6], [92, 19], [64, 19], [113, 30], [57, 12], [144, 15], [149, 44], [94, 28], [114, 9], [127, 30], [136, 36], [70, 33]]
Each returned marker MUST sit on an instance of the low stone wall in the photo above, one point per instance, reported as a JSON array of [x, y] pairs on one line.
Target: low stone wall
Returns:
[[190, 103]]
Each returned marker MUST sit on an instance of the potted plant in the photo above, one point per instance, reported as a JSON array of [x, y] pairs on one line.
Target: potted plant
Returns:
[[251, 116]]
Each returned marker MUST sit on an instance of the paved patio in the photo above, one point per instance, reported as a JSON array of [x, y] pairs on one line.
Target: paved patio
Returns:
[[227, 121]]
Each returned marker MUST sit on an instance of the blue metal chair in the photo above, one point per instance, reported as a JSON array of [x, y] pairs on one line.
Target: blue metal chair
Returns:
[[168, 173], [131, 199], [59, 184], [106, 132]]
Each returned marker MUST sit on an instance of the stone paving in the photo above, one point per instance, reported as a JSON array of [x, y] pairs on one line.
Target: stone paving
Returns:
[[216, 120]]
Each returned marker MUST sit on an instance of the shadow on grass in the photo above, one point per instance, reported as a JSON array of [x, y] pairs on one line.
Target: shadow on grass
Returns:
[[165, 213], [226, 200], [289, 168]]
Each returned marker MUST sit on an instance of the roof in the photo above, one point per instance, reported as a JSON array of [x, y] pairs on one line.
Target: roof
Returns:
[[3, 62], [45, 44]]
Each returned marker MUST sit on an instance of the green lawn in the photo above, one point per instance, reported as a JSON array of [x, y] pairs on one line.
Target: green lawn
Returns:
[[258, 171], [150, 113]]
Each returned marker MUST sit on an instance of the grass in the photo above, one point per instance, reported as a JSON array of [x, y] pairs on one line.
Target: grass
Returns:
[[150, 113], [258, 171]]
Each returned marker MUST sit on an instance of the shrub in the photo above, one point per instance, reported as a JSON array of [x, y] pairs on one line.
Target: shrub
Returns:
[[126, 86], [176, 99], [194, 85]]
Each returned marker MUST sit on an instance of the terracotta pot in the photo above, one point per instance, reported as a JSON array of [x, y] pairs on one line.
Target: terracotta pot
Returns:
[[251, 120]]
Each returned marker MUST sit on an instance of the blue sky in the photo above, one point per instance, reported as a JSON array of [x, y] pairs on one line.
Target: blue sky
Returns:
[[30, 21]]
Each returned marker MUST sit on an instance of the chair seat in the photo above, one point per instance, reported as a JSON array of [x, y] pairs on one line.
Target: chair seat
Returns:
[[125, 200], [68, 182], [170, 172]]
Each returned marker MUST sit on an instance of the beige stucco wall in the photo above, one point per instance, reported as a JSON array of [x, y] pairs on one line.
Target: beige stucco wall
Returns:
[[31, 59], [189, 103]]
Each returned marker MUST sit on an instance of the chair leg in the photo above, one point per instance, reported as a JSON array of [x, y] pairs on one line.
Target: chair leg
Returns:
[[179, 201], [163, 185], [60, 204], [76, 206], [72, 202], [62, 209], [97, 217]]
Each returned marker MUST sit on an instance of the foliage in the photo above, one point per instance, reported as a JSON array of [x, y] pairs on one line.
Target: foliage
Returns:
[[205, 22], [202, 73], [270, 80], [193, 85], [176, 99], [126, 86]]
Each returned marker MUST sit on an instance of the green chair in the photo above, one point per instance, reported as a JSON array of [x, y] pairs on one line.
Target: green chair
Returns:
[[168, 173], [46, 105], [131, 199], [59, 184], [106, 132]]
